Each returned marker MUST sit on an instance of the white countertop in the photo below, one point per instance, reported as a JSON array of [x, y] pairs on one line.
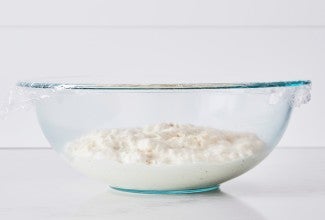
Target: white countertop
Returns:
[[37, 184]]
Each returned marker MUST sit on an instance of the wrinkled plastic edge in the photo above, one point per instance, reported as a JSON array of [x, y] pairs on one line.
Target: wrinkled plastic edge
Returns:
[[302, 95], [295, 96], [20, 98]]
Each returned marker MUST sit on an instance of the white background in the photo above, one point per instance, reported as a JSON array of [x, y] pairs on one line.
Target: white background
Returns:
[[205, 41]]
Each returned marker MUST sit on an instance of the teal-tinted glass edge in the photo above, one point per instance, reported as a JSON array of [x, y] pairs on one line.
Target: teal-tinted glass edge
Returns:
[[45, 85]]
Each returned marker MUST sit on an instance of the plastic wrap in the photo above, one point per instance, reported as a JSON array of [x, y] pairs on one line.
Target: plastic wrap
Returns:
[[20, 98], [296, 96], [25, 94]]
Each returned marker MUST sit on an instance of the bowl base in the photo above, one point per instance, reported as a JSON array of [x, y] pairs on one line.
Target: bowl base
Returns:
[[186, 191]]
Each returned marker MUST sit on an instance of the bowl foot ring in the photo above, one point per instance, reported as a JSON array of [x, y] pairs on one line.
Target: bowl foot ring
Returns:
[[185, 191]]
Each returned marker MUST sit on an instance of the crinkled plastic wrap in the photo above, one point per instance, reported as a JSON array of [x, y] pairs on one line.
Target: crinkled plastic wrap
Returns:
[[26, 94], [21, 98], [296, 96]]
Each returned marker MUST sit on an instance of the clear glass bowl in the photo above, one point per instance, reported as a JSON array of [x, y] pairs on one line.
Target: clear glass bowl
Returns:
[[165, 138]]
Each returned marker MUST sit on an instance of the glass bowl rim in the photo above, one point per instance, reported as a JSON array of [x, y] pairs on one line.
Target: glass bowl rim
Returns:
[[166, 86]]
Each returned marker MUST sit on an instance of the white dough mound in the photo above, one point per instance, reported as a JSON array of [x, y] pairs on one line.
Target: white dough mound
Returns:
[[165, 143]]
